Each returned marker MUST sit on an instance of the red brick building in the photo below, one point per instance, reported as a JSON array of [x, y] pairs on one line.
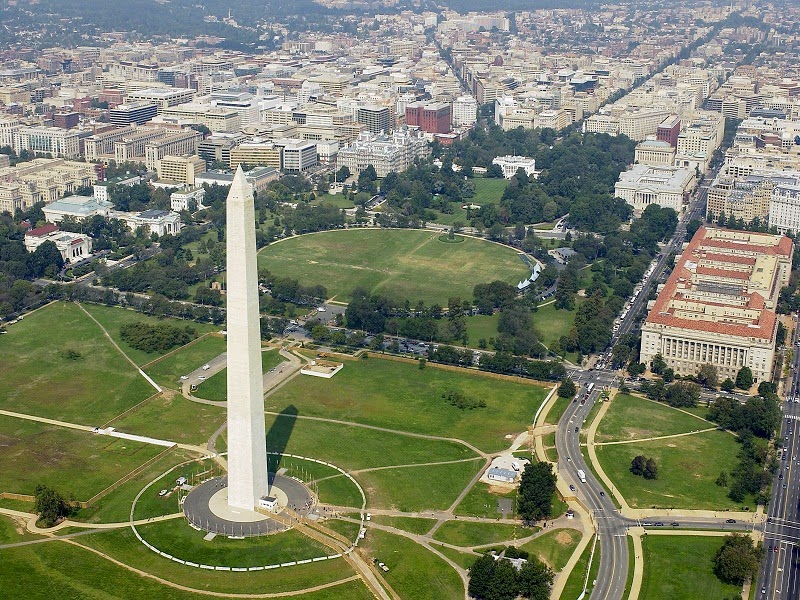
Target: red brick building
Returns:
[[429, 117]]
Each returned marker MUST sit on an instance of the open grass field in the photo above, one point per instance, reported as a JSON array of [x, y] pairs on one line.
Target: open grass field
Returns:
[[176, 537], [557, 410], [173, 417], [480, 502], [687, 469], [411, 489], [411, 524], [464, 533], [681, 568], [64, 571], [91, 387], [631, 418], [75, 463], [551, 323], [464, 559], [481, 326], [414, 572], [216, 387], [554, 547], [487, 191], [168, 370], [403, 397], [113, 317], [400, 264], [12, 531]]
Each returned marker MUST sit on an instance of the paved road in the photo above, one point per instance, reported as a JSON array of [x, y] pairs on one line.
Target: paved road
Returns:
[[779, 578]]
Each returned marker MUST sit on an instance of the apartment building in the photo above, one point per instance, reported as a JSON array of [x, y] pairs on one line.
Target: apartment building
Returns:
[[718, 305]]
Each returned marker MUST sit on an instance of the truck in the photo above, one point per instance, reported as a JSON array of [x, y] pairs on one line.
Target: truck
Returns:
[[581, 476]]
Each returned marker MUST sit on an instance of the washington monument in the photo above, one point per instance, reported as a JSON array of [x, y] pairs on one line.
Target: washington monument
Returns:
[[247, 449]]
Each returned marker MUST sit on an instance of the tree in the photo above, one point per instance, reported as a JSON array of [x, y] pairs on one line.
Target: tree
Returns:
[[722, 480], [638, 465], [707, 376], [46, 259], [50, 505], [536, 489], [737, 560], [682, 394], [657, 365], [503, 585], [744, 378], [765, 388], [535, 579], [480, 576], [650, 469], [494, 171], [567, 388], [728, 385]]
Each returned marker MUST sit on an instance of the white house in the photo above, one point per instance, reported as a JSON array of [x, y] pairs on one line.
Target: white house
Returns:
[[510, 165], [180, 200]]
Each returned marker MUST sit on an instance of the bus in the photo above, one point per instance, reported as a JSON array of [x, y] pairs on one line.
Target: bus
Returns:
[[589, 388]]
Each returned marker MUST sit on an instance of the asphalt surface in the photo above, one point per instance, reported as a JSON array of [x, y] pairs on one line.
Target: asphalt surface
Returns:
[[779, 577]]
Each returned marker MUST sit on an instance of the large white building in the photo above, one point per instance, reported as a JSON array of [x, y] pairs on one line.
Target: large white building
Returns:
[[465, 111], [53, 140], [76, 207], [72, 246], [643, 185], [385, 153], [160, 222], [511, 164], [784, 204], [718, 305]]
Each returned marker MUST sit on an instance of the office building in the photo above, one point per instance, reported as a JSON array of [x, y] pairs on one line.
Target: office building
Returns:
[[385, 153], [137, 113], [642, 185], [668, 130], [375, 118], [180, 169], [718, 305], [48, 140], [429, 117], [298, 155], [256, 153]]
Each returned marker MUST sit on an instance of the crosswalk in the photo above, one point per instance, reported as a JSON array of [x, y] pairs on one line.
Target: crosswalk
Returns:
[[793, 417]]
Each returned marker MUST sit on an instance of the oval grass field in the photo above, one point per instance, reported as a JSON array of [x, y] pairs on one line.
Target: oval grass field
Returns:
[[400, 264]]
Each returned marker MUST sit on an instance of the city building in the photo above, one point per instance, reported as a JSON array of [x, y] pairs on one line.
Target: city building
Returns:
[[162, 98], [784, 205], [137, 113], [256, 153], [433, 117], [394, 153], [76, 207], [72, 246], [48, 140], [160, 222], [298, 155], [180, 169], [43, 180], [190, 199], [375, 118], [642, 185], [718, 305], [668, 130], [100, 190], [511, 164], [172, 143], [655, 153], [465, 111]]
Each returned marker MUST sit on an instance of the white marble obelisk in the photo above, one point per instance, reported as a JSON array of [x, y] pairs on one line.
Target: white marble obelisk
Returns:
[[247, 452]]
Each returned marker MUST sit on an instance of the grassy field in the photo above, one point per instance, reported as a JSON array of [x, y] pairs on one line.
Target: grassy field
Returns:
[[216, 387], [680, 568], [400, 396], [64, 571], [480, 502], [551, 323], [169, 369], [64, 368], [574, 585], [464, 559], [482, 326], [414, 572], [410, 524], [113, 317], [75, 463], [464, 533], [12, 532], [411, 489], [338, 200], [554, 547], [411, 265], [487, 191], [176, 537], [555, 412], [631, 418], [687, 469], [174, 418]]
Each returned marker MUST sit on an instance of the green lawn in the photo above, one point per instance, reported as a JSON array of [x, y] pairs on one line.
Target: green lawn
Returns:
[[554, 547], [400, 264], [410, 524], [480, 502], [464, 533], [630, 418], [551, 323], [177, 538], [414, 572], [400, 396], [114, 317], [418, 488], [577, 576], [355, 447], [555, 412], [681, 568], [482, 326], [173, 418], [687, 469], [487, 191], [78, 464], [90, 388], [216, 386], [338, 200], [12, 532], [169, 369], [464, 559], [63, 571]]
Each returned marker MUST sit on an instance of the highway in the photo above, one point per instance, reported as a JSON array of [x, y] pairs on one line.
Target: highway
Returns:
[[779, 578]]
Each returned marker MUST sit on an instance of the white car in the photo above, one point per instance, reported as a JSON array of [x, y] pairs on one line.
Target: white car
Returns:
[[202, 378], [206, 367], [184, 377], [162, 493]]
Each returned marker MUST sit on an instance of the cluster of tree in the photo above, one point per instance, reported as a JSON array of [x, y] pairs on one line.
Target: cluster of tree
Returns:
[[493, 578], [644, 467], [681, 394], [50, 505], [307, 218], [288, 289], [737, 560], [536, 488], [168, 274], [567, 388], [156, 338], [106, 234], [423, 188], [591, 331], [506, 363], [759, 416], [459, 400], [489, 296]]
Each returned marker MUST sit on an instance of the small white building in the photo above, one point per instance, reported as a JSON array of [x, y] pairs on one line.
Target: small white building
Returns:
[[180, 200], [268, 502], [72, 246], [100, 189], [510, 165], [504, 475], [160, 222]]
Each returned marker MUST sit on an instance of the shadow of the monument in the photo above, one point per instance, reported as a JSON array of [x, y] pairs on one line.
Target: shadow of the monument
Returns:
[[278, 438]]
